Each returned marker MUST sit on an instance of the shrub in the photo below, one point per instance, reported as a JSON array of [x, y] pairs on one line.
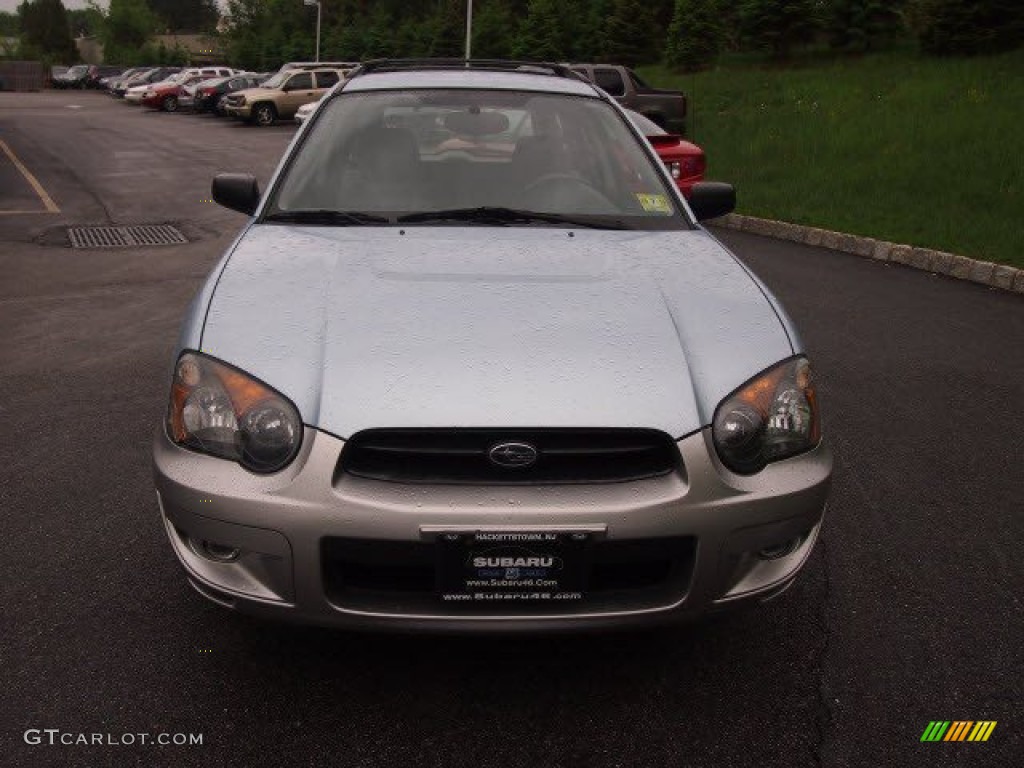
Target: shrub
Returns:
[[946, 27]]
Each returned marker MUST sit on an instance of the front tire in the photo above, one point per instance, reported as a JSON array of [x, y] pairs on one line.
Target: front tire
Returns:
[[170, 104], [264, 115]]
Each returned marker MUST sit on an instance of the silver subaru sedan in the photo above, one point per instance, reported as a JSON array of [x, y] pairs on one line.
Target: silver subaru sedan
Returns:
[[473, 365]]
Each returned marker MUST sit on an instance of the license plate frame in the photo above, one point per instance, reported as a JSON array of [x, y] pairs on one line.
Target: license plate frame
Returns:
[[495, 567]]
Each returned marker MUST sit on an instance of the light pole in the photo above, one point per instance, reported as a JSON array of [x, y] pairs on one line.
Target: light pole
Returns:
[[469, 29], [317, 4]]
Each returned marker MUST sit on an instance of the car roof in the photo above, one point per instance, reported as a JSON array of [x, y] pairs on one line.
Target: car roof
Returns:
[[483, 79]]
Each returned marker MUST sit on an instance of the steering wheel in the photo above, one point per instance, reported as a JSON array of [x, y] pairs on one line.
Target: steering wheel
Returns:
[[584, 197]]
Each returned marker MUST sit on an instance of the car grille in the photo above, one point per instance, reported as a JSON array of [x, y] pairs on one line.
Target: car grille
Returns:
[[463, 456], [402, 577]]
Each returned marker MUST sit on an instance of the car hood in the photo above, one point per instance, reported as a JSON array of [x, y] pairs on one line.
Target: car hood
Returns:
[[251, 94], [491, 327]]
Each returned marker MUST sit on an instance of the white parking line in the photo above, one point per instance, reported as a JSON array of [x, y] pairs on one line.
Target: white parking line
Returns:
[[51, 207]]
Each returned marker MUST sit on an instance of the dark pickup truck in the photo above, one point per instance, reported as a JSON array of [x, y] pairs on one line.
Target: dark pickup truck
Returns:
[[666, 108]]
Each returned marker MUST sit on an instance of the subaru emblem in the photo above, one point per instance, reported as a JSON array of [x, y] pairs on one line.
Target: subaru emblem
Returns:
[[513, 455]]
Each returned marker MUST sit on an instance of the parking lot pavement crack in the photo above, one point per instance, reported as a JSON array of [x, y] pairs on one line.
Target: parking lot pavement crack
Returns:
[[823, 714], [84, 185]]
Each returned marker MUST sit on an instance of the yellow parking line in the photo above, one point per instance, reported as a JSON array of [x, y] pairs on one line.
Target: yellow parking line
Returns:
[[51, 207]]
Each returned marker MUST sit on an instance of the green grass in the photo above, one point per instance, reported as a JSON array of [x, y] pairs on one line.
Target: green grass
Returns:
[[928, 152]]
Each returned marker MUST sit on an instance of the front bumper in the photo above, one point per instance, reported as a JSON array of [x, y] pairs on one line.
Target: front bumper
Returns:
[[285, 525], [243, 112]]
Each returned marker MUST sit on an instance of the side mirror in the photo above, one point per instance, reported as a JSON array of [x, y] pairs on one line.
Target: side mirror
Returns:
[[711, 199], [237, 191]]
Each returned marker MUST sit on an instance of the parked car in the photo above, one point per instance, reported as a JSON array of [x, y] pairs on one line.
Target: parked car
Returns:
[[74, 77], [293, 65], [165, 96], [114, 83], [57, 71], [456, 374], [282, 95], [139, 94], [303, 112], [685, 161], [133, 90], [666, 108], [209, 93], [187, 98], [97, 72]]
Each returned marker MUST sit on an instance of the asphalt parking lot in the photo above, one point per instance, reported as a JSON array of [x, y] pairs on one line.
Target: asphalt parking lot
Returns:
[[910, 610]]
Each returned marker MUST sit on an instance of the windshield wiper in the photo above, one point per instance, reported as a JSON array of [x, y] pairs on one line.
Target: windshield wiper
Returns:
[[326, 216], [509, 216]]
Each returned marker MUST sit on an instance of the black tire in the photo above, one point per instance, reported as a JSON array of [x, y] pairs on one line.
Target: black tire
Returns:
[[170, 104], [264, 114]]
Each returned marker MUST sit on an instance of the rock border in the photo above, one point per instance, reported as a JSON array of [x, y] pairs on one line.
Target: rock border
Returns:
[[960, 267]]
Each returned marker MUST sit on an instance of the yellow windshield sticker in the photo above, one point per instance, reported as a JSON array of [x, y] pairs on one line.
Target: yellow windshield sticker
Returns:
[[654, 203]]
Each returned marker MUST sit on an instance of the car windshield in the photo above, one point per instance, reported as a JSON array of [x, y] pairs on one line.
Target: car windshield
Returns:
[[490, 157], [277, 80], [78, 69]]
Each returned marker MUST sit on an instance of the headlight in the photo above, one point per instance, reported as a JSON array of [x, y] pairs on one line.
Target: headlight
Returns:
[[676, 170], [218, 410], [772, 417]]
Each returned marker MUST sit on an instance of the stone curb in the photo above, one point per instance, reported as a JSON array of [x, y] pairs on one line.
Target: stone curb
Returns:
[[960, 267]]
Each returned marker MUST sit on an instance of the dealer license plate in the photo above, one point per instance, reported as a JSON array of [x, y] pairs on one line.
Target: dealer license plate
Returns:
[[513, 566]]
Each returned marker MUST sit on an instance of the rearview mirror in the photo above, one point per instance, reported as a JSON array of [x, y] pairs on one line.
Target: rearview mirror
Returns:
[[237, 191], [711, 199]]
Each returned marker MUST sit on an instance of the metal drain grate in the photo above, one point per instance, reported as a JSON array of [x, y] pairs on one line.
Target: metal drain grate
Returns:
[[125, 237]]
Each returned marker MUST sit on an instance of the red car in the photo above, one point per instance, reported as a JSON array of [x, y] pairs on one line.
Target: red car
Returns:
[[165, 95], [685, 161]]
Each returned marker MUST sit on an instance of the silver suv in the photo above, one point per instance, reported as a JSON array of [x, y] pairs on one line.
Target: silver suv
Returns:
[[474, 365]]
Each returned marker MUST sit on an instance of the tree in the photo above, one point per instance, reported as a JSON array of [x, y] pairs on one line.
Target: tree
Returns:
[[449, 29], [266, 33], [594, 35], [863, 25], [695, 36], [779, 26], [127, 27], [631, 33], [45, 31], [9, 24], [493, 22], [186, 15], [945, 27], [85, 22], [541, 35]]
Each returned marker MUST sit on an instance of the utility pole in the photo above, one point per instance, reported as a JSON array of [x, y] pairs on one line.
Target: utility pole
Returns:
[[469, 29], [317, 4]]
